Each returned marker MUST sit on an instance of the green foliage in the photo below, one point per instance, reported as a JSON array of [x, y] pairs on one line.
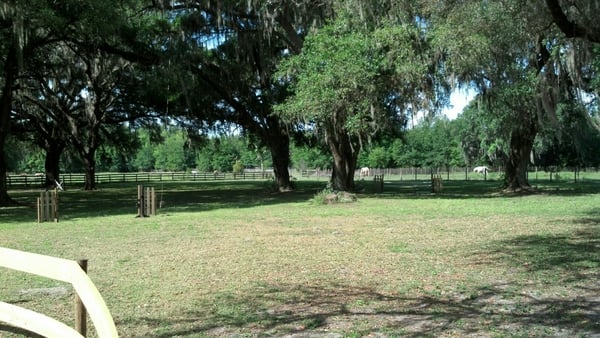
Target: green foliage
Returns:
[[238, 167], [378, 157], [144, 158], [330, 196], [335, 79], [307, 157], [357, 76], [321, 197], [111, 159], [23, 158], [170, 155], [230, 153]]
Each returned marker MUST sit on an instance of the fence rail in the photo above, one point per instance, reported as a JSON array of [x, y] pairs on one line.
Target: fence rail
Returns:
[[62, 270], [19, 181], [407, 174]]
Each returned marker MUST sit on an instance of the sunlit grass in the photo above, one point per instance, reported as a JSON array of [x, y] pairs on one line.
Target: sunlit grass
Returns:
[[231, 258]]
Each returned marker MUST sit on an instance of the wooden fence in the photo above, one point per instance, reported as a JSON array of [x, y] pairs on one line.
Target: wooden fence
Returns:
[[146, 201], [398, 174], [47, 206], [70, 179], [62, 270]]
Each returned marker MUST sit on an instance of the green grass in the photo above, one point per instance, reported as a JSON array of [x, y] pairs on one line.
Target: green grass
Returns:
[[232, 259]]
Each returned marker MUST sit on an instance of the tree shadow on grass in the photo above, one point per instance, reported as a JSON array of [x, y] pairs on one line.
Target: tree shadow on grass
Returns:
[[121, 199], [549, 287], [477, 189], [342, 310], [572, 257]]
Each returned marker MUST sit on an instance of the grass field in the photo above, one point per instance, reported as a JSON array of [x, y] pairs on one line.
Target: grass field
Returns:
[[230, 259]]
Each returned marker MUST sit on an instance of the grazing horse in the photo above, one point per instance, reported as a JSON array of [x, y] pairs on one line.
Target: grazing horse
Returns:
[[365, 171], [481, 169]]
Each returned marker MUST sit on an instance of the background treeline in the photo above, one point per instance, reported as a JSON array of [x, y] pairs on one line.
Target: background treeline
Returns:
[[437, 143]]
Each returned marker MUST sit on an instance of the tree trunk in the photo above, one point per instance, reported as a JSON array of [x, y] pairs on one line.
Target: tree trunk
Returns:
[[4, 117], [10, 73], [52, 163], [345, 157], [4, 198], [90, 171], [280, 152], [515, 172]]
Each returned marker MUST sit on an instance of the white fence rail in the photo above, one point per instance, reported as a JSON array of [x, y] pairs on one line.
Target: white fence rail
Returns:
[[62, 270]]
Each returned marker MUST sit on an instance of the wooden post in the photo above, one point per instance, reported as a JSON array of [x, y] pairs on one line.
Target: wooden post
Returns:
[[378, 179], [140, 201], [47, 206], [80, 311], [39, 209], [146, 201], [55, 205], [153, 204], [436, 184]]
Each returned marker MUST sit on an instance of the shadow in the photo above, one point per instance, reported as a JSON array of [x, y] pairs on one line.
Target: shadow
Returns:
[[309, 311], [550, 287], [121, 198], [475, 189], [17, 331], [572, 257]]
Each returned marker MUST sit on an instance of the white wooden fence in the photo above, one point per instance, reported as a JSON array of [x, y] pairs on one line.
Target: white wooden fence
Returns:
[[62, 270]]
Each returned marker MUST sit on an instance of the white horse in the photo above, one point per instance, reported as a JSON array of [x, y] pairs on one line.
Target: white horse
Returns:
[[365, 171], [481, 170]]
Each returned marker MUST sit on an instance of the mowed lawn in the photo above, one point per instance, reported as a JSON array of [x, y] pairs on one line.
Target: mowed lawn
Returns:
[[230, 259]]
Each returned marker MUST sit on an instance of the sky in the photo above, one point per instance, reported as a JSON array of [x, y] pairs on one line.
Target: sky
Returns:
[[458, 101]]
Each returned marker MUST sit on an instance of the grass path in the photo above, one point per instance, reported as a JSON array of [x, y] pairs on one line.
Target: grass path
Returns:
[[219, 261]]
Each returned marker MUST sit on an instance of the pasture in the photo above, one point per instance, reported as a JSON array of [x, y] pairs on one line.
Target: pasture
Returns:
[[226, 258]]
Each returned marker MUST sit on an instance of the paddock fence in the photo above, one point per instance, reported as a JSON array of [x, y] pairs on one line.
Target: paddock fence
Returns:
[[63, 270], [76, 179], [393, 174], [455, 174]]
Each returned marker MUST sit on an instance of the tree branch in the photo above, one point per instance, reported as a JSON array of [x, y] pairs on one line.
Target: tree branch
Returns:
[[569, 28]]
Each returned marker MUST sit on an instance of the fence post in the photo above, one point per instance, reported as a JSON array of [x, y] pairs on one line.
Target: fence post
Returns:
[[80, 311], [153, 210], [378, 179], [149, 201], [55, 205], [39, 209], [140, 201], [436, 184], [146, 201], [47, 206]]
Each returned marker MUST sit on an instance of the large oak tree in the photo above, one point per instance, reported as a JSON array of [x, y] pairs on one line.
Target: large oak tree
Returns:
[[355, 79]]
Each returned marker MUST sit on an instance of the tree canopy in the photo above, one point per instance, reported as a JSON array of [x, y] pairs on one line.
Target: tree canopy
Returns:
[[292, 78]]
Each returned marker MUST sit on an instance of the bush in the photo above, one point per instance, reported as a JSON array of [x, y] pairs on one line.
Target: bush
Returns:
[[238, 167], [329, 196]]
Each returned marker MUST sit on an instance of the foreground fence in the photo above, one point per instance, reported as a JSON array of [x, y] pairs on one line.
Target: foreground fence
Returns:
[[65, 271]]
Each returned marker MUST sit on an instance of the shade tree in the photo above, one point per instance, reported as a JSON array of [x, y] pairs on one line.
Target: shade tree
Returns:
[[231, 50], [353, 81], [27, 27], [527, 58]]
